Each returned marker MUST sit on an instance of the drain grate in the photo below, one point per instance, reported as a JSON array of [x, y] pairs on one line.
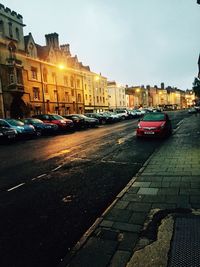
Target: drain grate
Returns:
[[185, 248]]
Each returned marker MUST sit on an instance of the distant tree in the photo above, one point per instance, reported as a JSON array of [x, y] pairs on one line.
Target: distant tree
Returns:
[[196, 87]]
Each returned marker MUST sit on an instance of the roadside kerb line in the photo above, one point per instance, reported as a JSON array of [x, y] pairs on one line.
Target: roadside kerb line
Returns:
[[39, 176], [57, 168], [15, 187]]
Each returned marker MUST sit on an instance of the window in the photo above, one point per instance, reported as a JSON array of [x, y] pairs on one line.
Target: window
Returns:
[[36, 93], [1, 27], [55, 95], [45, 88], [11, 76], [17, 34], [66, 80], [45, 75], [66, 96], [19, 76], [72, 92], [79, 97], [10, 29], [71, 81], [103, 99], [78, 83], [97, 99], [54, 77], [86, 97], [34, 73]]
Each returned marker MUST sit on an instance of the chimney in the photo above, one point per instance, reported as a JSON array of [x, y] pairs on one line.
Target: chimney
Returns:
[[66, 49], [52, 40], [162, 86]]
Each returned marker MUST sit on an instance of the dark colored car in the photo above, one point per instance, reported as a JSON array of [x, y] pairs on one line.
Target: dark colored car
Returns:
[[154, 124], [78, 121], [90, 122], [62, 123], [22, 129], [41, 127], [6, 133], [103, 118]]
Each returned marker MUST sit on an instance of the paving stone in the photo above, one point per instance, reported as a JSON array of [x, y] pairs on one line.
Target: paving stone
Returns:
[[120, 258], [95, 253], [156, 184], [133, 190], [129, 227], [138, 218], [148, 191], [177, 199], [107, 234], [136, 206], [118, 215], [132, 197], [168, 191], [141, 184], [189, 191], [163, 206], [106, 223], [128, 241], [195, 185], [154, 199], [121, 204]]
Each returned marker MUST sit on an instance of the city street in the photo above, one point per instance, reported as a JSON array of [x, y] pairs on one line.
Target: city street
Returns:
[[52, 189]]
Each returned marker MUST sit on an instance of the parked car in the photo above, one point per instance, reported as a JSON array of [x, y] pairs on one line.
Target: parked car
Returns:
[[192, 110], [122, 113], [79, 122], [90, 122], [114, 116], [22, 129], [6, 133], [154, 124], [41, 127], [62, 123], [103, 118]]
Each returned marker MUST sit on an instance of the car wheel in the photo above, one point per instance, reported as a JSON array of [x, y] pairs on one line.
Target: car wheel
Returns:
[[38, 133], [103, 122]]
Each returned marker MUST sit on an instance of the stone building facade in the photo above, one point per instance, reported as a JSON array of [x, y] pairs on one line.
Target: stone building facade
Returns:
[[38, 79]]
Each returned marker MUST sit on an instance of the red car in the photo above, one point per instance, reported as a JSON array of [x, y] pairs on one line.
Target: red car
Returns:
[[62, 123], [154, 124]]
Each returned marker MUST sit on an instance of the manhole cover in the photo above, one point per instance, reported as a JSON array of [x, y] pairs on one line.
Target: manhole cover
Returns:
[[185, 248]]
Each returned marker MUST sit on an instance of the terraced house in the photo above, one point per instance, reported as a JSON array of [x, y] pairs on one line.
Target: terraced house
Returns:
[[43, 79]]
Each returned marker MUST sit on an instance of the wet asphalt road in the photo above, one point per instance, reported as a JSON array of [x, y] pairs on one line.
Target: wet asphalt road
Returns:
[[52, 189]]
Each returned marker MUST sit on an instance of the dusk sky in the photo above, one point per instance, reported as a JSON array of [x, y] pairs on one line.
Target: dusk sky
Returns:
[[134, 42]]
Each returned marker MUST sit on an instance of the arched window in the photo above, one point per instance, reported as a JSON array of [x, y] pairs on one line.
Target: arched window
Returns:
[[1, 27], [17, 34]]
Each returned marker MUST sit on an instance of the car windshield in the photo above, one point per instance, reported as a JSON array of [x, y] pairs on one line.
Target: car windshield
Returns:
[[57, 117], [15, 122], [154, 117], [33, 121]]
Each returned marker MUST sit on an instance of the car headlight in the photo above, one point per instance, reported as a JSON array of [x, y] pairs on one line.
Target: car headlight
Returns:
[[162, 125], [1, 134], [139, 126]]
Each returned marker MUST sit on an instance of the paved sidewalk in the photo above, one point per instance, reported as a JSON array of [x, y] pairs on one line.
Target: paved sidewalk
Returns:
[[168, 182]]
